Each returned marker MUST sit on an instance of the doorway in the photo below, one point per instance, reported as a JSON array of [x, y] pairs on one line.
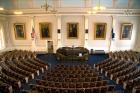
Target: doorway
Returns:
[[50, 46]]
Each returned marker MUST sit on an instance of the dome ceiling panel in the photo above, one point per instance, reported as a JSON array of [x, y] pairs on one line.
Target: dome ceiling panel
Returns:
[[122, 4], [72, 3], [136, 4]]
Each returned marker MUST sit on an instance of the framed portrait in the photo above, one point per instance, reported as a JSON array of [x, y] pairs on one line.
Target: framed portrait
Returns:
[[45, 30], [19, 29], [100, 31], [72, 30], [126, 31]]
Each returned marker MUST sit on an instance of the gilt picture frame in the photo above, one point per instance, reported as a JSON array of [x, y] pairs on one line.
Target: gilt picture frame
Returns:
[[126, 31], [19, 30], [45, 30], [72, 30], [100, 31]]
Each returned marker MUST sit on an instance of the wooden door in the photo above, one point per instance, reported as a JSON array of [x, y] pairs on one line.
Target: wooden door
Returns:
[[50, 46]]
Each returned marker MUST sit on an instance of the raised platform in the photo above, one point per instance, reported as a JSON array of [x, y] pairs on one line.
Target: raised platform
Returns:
[[72, 54]]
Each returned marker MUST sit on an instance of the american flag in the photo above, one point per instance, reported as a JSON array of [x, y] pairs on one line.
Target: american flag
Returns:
[[33, 33], [112, 34]]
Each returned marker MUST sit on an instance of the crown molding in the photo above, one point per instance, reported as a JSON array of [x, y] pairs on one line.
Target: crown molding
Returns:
[[71, 11]]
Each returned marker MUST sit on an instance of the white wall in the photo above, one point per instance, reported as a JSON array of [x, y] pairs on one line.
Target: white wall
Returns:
[[41, 45], [20, 44], [99, 44], [69, 42], [137, 42], [118, 44]]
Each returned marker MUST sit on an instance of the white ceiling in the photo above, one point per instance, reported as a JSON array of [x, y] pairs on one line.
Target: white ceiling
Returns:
[[31, 4]]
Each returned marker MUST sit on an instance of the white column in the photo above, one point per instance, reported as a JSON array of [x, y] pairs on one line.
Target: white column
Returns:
[[86, 34], [59, 41], [0, 38], [135, 35], [8, 34], [2, 44]]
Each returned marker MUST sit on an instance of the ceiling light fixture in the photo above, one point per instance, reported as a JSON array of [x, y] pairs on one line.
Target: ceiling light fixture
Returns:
[[96, 9], [17, 11], [91, 12], [99, 7], [49, 8], [1, 8], [128, 12]]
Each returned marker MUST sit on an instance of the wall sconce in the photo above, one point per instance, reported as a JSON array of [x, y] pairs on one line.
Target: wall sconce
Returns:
[[58, 31], [86, 31]]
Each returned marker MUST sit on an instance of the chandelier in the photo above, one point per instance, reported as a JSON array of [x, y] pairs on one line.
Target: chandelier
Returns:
[[49, 8], [128, 12], [97, 8]]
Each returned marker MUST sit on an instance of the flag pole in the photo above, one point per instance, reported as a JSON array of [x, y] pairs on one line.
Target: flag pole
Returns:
[[110, 38], [33, 36]]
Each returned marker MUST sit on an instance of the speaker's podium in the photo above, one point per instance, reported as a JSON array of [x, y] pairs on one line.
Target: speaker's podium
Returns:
[[97, 52]]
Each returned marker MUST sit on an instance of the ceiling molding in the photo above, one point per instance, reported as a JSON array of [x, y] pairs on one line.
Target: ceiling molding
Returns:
[[80, 11]]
